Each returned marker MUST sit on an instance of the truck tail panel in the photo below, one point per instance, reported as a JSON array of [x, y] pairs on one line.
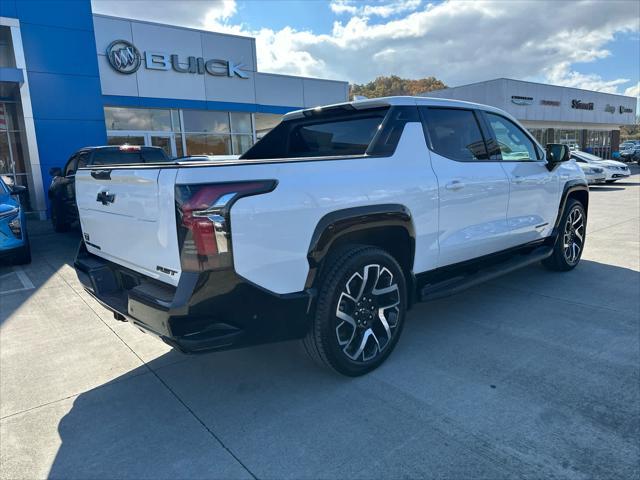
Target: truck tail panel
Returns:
[[128, 217]]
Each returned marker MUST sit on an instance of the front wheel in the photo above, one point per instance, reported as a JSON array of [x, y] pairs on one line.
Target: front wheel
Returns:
[[360, 312], [569, 245]]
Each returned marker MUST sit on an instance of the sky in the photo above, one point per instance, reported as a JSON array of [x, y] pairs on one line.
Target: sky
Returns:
[[591, 44]]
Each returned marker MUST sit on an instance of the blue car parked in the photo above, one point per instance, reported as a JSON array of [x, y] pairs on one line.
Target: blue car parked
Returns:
[[14, 243]]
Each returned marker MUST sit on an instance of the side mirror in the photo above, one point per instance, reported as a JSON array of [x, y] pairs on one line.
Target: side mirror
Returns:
[[55, 172], [18, 189], [557, 153]]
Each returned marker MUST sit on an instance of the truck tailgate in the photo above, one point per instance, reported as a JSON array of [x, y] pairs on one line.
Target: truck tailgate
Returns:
[[128, 217]]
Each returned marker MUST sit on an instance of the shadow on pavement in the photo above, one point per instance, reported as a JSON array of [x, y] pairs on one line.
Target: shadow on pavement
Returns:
[[563, 405]]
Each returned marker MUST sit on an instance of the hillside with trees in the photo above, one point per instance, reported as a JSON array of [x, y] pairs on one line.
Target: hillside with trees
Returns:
[[630, 132], [394, 85]]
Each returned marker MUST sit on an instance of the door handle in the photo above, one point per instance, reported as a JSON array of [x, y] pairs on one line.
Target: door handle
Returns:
[[454, 185], [517, 179]]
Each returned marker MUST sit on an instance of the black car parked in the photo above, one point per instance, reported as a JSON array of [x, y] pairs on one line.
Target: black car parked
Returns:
[[62, 192]]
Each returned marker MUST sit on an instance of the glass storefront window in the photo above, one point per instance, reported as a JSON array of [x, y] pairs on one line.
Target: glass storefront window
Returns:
[[9, 116], [265, 122], [175, 121], [205, 121], [240, 122], [241, 143], [6, 164], [7, 57], [125, 118], [125, 139], [568, 137], [541, 135], [206, 144], [179, 150], [598, 142]]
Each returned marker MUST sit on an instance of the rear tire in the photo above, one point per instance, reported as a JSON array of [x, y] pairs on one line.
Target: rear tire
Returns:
[[360, 311], [58, 218], [570, 241]]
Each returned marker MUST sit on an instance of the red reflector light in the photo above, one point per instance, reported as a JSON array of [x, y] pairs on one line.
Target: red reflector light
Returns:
[[203, 236]]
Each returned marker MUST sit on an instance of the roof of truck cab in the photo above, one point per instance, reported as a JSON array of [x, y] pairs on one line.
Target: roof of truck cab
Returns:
[[392, 101]]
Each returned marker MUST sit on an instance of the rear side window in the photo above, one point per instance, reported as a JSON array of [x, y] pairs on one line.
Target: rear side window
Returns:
[[118, 157], [334, 133], [455, 134]]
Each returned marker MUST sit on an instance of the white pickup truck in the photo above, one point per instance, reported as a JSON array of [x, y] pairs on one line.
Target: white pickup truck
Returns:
[[329, 228]]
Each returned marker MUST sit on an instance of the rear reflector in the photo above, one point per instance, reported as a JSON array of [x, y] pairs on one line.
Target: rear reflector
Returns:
[[202, 215]]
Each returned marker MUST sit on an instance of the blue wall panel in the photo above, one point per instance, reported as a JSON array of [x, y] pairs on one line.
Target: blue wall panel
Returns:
[[65, 97], [57, 50], [56, 13], [8, 9], [65, 141], [62, 67]]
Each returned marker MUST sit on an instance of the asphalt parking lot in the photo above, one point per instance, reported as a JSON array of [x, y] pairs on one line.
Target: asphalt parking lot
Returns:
[[533, 375]]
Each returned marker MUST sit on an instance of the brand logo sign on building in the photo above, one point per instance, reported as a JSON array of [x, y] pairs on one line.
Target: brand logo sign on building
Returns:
[[518, 100], [624, 109], [125, 58], [550, 103], [610, 108], [580, 105]]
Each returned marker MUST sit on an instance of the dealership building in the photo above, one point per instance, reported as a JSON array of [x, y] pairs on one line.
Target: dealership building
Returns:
[[70, 78], [586, 119]]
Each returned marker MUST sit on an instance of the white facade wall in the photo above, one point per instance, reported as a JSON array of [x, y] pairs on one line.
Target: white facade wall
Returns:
[[498, 93], [261, 88]]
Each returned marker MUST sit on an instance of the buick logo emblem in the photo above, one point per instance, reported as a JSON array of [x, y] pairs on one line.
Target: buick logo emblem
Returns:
[[123, 56]]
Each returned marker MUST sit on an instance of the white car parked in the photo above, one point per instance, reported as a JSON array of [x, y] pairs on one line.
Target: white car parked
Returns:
[[594, 175], [613, 169]]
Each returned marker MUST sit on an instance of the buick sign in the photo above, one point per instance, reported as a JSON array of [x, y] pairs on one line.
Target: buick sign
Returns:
[[123, 56]]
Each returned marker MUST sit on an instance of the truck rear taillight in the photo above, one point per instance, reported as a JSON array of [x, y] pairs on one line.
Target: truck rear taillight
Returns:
[[202, 215]]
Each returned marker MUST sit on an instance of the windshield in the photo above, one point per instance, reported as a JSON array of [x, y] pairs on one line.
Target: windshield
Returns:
[[587, 156], [3, 188]]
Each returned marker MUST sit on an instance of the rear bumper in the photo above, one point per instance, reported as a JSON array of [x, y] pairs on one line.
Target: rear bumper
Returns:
[[206, 311]]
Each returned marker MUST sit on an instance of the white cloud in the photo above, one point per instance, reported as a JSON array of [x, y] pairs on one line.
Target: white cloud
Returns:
[[561, 74], [343, 6], [381, 8], [633, 91], [185, 12], [456, 41]]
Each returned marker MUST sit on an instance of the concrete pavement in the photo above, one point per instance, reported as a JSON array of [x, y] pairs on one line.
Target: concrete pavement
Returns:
[[533, 375]]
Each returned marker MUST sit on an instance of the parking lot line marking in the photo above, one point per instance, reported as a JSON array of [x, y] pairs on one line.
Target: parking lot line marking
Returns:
[[26, 281]]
